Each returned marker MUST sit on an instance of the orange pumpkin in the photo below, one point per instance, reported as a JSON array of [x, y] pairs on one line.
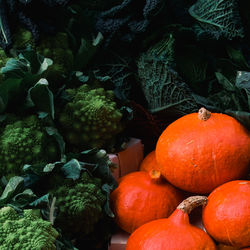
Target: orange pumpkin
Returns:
[[174, 232], [199, 152], [149, 162], [141, 197], [226, 217]]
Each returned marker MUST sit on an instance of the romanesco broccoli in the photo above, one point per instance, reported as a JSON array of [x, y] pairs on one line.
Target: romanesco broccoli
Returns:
[[25, 232], [22, 38], [91, 119], [56, 48], [25, 142], [79, 204], [3, 59]]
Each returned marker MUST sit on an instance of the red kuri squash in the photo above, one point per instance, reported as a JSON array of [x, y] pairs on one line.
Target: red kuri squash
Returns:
[[141, 197], [149, 162], [174, 232], [226, 217], [199, 152]]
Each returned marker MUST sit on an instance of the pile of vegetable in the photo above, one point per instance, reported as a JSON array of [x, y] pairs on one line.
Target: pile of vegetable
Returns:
[[79, 78], [192, 157]]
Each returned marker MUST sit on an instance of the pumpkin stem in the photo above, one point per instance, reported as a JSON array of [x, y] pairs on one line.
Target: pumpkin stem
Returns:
[[204, 114], [191, 203], [155, 175]]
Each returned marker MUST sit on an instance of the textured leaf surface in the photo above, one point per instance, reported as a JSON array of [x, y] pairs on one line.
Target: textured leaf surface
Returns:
[[219, 18], [161, 85]]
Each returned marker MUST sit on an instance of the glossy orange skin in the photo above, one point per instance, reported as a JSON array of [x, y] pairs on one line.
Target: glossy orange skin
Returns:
[[226, 217], [149, 162], [198, 156], [139, 199], [173, 233]]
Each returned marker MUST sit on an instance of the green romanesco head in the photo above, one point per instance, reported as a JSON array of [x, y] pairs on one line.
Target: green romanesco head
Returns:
[[91, 119], [79, 205], [25, 232], [22, 38], [25, 142], [56, 48], [3, 60]]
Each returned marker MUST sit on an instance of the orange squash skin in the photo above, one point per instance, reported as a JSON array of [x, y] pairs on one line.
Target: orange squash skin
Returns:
[[226, 217], [149, 162], [172, 233], [198, 156], [139, 199]]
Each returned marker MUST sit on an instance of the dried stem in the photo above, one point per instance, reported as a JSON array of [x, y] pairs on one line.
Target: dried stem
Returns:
[[191, 203]]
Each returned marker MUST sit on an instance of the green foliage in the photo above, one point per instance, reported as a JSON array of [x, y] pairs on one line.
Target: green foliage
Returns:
[[26, 231], [19, 75], [91, 118], [25, 141], [163, 89], [218, 18]]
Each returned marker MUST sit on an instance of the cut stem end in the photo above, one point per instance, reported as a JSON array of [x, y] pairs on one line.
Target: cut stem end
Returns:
[[155, 175], [204, 114]]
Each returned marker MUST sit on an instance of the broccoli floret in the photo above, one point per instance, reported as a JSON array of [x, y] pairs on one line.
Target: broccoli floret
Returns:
[[25, 232], [79, 204], [25, 142], [56, 48], [91, 119]]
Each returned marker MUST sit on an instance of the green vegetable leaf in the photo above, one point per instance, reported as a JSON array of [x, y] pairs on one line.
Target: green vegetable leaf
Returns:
[[243, 82], [237, 57], [86, 51], [40, 202], [219, 18], [16, 68], [14, 186], [72, 169], [20, 75], [107, 189], [52, 131], [22, 200], [41, 97], [9, 89]]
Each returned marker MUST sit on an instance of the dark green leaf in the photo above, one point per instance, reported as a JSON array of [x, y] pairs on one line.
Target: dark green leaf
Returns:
[[237, 57], [243, 82], [8, 90], [72, 169], [22, 200], [52, 131], [14, 186], [40, 202], [227, 85], [108, 189], [41, 97], [86, 51], [16, 68]]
